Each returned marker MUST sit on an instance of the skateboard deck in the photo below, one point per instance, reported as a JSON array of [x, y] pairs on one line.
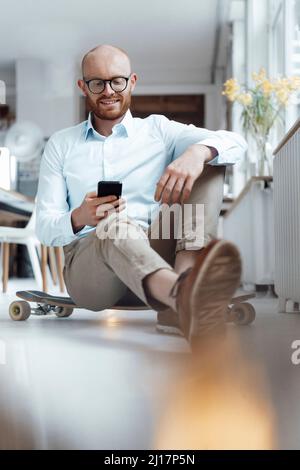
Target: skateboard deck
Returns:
[[57, 301], [44, 298], [242, 298]]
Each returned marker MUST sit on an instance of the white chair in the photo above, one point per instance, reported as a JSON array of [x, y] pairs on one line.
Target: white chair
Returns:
[[22, 236]]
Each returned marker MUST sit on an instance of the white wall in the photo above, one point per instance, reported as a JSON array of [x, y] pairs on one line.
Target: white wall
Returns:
[[47, 94]]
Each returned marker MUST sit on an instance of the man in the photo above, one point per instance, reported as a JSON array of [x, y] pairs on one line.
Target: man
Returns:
[[158, 161]]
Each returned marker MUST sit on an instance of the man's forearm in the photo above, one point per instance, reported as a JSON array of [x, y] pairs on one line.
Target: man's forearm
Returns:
[[207, 153], [75, 219]]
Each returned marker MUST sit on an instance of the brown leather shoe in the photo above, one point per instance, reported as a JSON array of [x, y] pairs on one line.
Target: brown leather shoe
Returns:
[[168, 322], [204, 291]]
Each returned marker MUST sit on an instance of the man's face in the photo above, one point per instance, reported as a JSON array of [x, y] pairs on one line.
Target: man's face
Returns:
[[109, 104]]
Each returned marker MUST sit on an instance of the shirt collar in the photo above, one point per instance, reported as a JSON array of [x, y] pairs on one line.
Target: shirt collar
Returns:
[[126, 124]]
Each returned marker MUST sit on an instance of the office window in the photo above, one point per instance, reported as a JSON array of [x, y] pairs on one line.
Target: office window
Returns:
[[293, 54], [284, 50], [277, 38]]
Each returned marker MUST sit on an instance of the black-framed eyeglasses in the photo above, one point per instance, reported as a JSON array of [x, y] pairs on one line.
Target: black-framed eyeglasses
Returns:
[[117, 84]]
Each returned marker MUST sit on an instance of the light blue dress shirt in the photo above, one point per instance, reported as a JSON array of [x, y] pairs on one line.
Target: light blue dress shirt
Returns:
[[136, 153]]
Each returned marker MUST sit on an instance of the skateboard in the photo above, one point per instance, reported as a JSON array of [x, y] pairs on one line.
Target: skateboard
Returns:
[[239, 311], [62, 307]]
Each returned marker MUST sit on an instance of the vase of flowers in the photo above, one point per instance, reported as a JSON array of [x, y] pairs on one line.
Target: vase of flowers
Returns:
[[262, 107]]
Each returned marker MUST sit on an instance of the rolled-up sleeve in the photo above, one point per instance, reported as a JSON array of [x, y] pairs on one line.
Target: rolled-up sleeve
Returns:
[[53, 215], [178, 137], [229, 145]]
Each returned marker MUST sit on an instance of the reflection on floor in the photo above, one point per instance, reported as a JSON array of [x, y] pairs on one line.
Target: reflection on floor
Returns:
[[108, 380]]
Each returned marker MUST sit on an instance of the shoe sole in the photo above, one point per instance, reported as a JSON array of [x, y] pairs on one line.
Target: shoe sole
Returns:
[[216, 282], [169, 330]]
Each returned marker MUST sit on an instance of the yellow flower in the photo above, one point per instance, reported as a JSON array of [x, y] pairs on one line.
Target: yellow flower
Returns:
[[245, 99], [268, 95], [282, 95], [267, 87], [260, 77], [231, 89], [282, 84], [285, 87], [282, 88], [295, 83]]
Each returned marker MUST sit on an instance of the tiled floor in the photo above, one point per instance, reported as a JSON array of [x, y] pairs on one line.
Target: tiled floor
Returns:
[[104, 380]]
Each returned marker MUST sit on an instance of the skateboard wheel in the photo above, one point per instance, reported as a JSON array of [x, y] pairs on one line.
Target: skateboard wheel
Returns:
[[242, 313], [63, 312], [19, 310]]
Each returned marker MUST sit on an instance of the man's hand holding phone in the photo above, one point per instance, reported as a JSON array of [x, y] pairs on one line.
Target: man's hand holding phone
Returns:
[[93, 209]]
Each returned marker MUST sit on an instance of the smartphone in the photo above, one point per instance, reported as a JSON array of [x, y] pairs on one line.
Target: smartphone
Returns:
[[109, 188]]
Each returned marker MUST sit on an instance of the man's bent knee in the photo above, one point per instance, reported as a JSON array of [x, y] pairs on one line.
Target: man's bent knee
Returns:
[[118, 226]]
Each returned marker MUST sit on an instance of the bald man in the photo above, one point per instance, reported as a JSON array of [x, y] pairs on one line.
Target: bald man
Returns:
[[118, 249]]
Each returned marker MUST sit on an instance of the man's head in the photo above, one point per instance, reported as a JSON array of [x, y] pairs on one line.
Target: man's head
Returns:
[[106, 62]]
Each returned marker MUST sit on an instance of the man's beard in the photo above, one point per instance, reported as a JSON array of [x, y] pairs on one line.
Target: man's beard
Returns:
[[109, 115]]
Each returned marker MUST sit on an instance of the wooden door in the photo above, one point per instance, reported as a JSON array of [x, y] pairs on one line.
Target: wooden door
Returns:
[[188, 109]]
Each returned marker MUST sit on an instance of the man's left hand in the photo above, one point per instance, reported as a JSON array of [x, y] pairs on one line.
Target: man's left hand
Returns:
[[176, 183]]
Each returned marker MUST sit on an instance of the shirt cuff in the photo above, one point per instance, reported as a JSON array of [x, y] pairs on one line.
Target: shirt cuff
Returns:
[[67, 226], [215, 160], [222, 158]]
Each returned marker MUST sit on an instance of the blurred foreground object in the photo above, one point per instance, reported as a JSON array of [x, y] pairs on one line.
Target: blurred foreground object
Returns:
[[221, 402]]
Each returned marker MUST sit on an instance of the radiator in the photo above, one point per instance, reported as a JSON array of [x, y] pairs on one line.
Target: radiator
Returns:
[[287, 218], [249, 224]]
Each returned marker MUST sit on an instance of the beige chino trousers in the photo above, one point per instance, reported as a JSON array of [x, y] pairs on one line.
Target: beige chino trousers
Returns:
[[102, 269]]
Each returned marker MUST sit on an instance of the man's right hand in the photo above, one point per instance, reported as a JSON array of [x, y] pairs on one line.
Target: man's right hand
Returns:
[[87, 213]]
